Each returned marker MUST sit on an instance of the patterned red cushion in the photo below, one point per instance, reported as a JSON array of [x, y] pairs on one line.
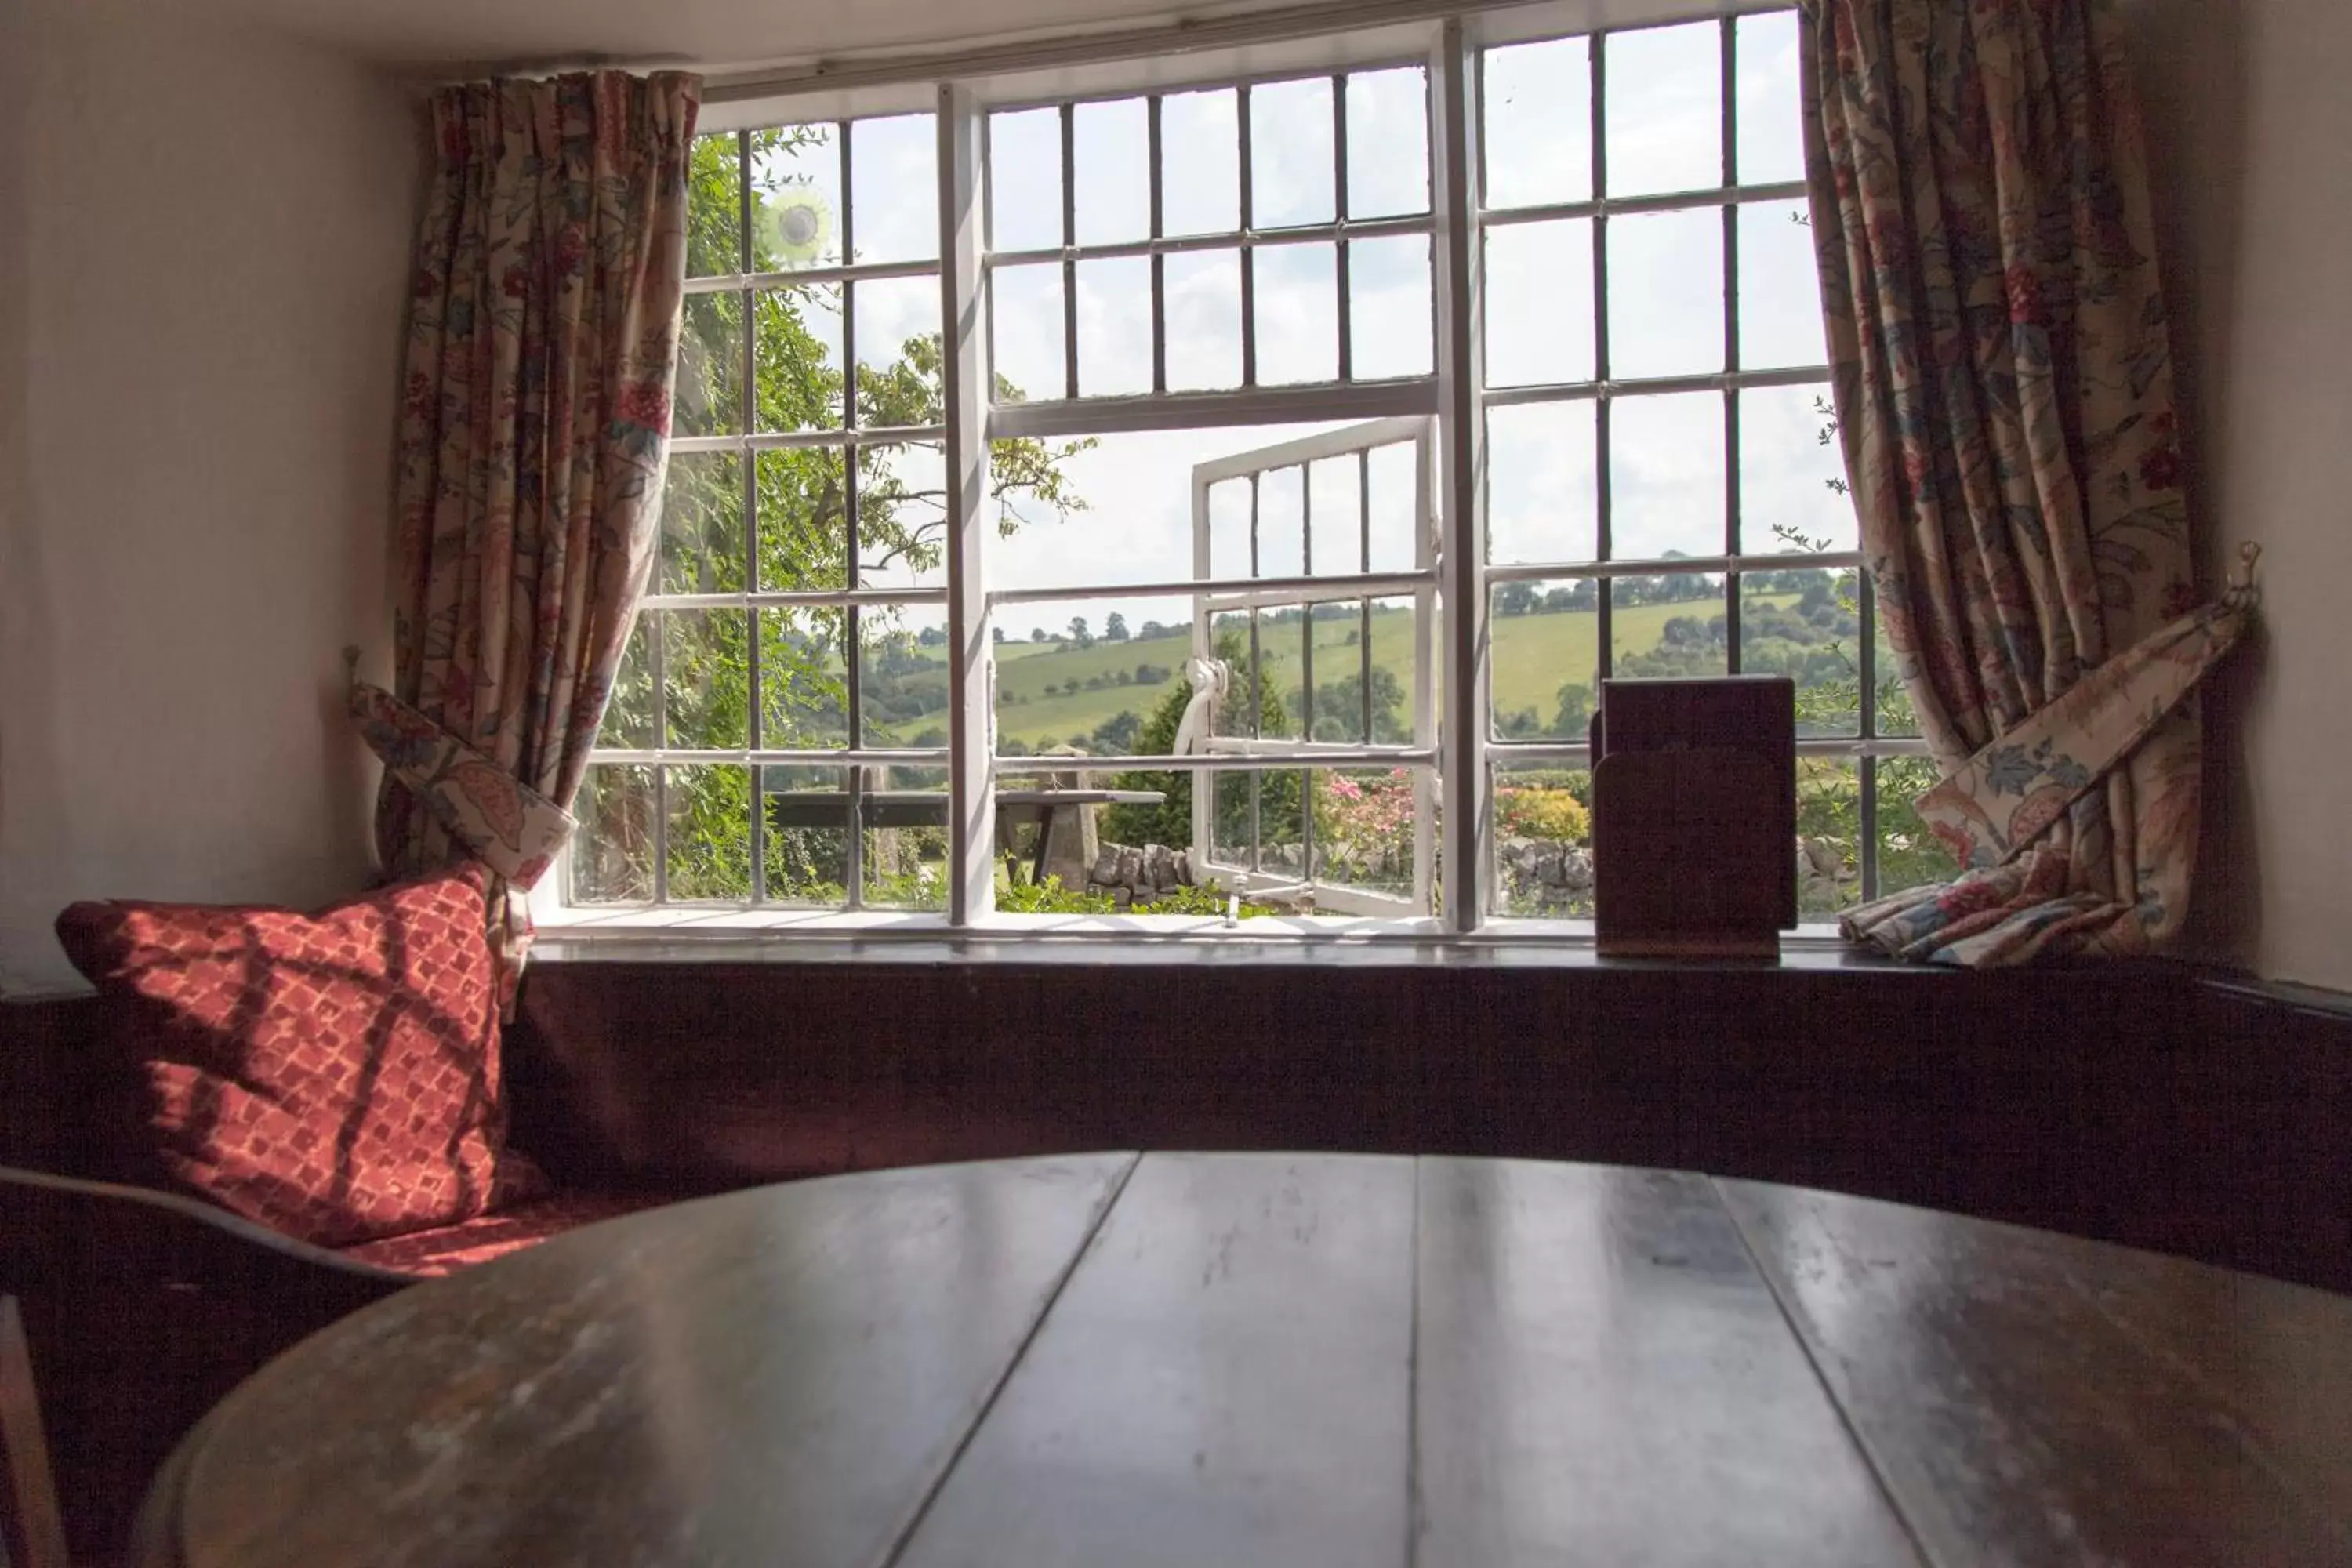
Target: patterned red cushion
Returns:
[[335, 1075], [447, 1249]]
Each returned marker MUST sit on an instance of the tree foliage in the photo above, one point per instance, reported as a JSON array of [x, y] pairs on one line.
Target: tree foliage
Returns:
[[802, 498]]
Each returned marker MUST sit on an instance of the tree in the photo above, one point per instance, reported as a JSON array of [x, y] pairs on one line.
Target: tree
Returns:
[[1339, 709], [996, 635], [1115, 627], [1037, 634], [802, 539], [1114, 735], [1078, 633]]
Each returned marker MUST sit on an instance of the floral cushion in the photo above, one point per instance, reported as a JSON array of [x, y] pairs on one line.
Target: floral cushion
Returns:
[[332, 1076], [446, 1248]]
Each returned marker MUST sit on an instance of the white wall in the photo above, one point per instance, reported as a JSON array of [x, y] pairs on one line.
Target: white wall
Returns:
[[2252, 142], [199, 349]]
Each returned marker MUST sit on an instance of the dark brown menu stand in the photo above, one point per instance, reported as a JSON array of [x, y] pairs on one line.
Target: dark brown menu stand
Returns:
[[1293, 1362]]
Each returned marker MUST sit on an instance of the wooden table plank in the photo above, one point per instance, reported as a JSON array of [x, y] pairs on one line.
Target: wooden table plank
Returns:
[[787, 1370], [2024, 1404], [1603, 1379], [1224, 1382]]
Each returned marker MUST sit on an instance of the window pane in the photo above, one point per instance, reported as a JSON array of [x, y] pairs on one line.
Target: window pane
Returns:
[[892, 316], [1335, 508], [1026, 326], [706, 679], [1290, 153], [1910, 856], [1281, 688], [804, 695], [1025, 180], [1895, 715], [1393, 473], [1666, 293], [708, 832], [1780, 289], [1200, 163], [1543, 841], [1538, 109], [1770, 118], [613, 854], [1791, 473], [902, 675], [1111, 156], [1364, 828], [1342, 651], [714, 211], [1230, 554], [804, 521], [1547, 652], [1280, 546], [709, 396], [1298, 314], [905, 844], [1665, 113], [902, 517], [1670, 625], [1396, 666], [1542, 483], [702, 525], [1258, 822], [1828, 836], [894, 192], [1388, 143], [1665, 476], [807, 837], [1389, 308], [1804, 624], [1203, 293], [1540, 303], [1114, 326], [796, 198], [798, 357], [630, 719]]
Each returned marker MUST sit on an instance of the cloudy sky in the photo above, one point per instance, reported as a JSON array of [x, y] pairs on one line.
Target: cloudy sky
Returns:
[[1666, 306]]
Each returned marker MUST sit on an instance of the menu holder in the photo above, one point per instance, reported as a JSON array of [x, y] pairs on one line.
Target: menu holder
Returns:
[[1694, 817]]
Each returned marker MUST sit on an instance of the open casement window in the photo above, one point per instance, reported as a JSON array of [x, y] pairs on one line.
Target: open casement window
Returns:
[[1314, 625]]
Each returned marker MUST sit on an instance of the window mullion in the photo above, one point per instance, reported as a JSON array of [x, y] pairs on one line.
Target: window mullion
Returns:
[[1460, 361], [971, 878]]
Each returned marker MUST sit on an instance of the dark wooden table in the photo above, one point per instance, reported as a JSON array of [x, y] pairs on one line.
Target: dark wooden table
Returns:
[[1234, 1360]]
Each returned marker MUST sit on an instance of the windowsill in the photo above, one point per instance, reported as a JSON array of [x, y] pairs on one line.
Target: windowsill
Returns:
[[689, 934]]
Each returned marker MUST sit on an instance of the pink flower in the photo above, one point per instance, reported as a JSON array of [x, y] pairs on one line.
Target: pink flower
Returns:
[[647, 404]]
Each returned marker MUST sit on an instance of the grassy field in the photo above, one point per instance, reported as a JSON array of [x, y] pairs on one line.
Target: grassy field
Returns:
[[1534, 656]]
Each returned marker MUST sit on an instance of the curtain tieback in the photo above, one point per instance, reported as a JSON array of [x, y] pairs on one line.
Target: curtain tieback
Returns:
[[2005, 797], [502, 821]]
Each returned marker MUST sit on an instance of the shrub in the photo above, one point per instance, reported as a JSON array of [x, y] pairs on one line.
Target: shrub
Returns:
[[1550, 814]]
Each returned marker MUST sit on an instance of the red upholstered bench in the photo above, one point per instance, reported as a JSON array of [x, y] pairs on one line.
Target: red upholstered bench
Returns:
[[335, 1078], [299, 1114]]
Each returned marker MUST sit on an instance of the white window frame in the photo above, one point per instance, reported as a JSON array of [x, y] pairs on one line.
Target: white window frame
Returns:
[[1452, 402]]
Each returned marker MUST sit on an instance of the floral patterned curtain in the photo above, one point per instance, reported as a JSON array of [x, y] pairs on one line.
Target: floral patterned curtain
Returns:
[[543, 338], [2003, 386]]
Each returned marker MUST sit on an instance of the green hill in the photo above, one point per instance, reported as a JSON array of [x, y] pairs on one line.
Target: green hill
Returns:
[[1535, 655]]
